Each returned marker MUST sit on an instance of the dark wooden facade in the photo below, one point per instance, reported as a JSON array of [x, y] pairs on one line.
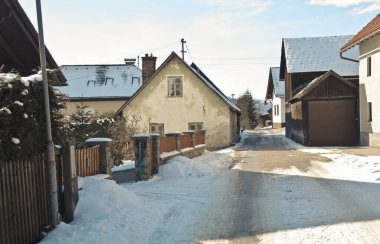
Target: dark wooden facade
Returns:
[[19, 47], [324, 113]]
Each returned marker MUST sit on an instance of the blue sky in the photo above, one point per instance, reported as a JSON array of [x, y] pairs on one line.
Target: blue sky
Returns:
[[233, 42]]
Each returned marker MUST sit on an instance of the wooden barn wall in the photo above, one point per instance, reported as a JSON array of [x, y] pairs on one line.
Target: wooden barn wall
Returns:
[[295, 123], [331, 88], [295, 80]]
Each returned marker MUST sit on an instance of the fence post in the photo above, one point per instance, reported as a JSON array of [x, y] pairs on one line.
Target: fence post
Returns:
[[177, 139], [156, 152], [142, 167], [71, 196], [192, 136], [105, 153], [58, 161]]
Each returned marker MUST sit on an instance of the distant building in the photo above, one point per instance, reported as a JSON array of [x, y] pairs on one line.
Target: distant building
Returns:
[[276, 95], [103, 88], [368, 40]]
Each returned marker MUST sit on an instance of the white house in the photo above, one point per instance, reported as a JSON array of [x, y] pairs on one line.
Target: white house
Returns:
[[276, 94], [368, 40]]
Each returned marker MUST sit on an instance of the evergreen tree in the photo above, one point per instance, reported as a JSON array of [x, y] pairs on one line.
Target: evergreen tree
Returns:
[[249, 117], [22, 115]]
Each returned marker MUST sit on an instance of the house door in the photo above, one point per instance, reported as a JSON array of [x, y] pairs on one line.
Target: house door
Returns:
[[332, 123]]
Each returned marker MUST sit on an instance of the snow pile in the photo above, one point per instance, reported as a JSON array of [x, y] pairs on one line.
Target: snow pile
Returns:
[[353, 167], [205, 165], [105, 210], [127, 164], [147, 211]]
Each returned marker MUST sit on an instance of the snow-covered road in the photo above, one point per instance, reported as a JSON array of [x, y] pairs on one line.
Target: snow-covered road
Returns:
[[267, 189]]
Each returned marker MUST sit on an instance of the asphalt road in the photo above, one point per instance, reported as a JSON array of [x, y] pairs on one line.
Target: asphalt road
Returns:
[[276, 195]]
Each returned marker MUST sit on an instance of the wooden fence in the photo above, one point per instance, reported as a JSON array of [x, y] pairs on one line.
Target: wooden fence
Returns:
[[167, 144], [23, 200], [88, 161], [185, 141], [199, 138]]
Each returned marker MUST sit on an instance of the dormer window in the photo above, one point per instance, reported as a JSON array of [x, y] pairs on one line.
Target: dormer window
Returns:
[[135, 80], [175, 86]]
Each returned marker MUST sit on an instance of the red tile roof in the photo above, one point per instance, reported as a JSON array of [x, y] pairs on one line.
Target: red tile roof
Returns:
[[372, 28]]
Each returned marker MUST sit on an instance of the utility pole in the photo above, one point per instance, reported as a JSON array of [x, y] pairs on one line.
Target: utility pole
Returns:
[[52, 171], [183, 48]]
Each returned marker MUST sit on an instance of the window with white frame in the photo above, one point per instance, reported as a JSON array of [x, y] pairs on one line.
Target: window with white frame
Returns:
[[156, 128], [175, 86], [196, 126]]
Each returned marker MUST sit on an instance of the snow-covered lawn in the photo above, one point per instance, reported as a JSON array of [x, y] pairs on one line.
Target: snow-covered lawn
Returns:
[[166, 208]]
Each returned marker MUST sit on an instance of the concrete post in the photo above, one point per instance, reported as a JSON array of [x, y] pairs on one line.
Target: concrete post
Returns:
[[105, 153], [192, 135], [177, 140], [156, 152], [142, 167], [71, 196]]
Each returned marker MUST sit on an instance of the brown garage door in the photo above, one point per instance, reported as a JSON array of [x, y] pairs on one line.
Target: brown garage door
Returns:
[[332, 123]]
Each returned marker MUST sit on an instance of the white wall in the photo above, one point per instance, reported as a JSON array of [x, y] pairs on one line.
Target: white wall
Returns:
[[369, 91], [278, 119]]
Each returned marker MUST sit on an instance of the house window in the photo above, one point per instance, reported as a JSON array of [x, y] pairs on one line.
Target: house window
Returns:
[[196, 126], [369, 112], [175, 86], [156, 128], [278, 109], [369, 66]]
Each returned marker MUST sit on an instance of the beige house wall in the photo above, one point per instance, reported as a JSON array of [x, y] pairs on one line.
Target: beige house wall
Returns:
[[99, 107], [369, 87], [198, 104]]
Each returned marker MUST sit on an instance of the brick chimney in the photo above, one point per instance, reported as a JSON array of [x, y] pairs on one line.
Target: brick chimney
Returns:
[[148, 66]]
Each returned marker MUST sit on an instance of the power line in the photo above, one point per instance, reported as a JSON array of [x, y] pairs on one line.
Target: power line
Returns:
[[188, 51]]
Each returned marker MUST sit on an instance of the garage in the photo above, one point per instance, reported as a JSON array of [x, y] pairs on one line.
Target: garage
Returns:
[[325, 112], [332, 122]]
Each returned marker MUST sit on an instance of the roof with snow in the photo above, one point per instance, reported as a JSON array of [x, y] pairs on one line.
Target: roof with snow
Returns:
[[195, 70], [105, 81], [317, 54], [275, 84], [19, 46], [371, 29]]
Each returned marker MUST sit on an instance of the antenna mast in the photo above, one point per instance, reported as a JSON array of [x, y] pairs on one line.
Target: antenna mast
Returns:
[[183, 48]]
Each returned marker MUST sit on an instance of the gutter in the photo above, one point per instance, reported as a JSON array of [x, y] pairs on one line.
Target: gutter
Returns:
[[349, 59]]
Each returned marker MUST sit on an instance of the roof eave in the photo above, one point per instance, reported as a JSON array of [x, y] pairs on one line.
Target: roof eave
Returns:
[[346, 48]]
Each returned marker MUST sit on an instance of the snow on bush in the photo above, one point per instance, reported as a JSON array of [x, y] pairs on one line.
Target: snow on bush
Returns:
[[18, 103], [5, 110], [16, 140], [7, 77]]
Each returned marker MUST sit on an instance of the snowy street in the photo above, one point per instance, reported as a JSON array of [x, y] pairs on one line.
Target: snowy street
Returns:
[[266, 189]]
